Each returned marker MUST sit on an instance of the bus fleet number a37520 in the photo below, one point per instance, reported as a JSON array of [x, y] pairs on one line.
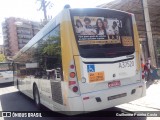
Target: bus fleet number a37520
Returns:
[[125, 64]]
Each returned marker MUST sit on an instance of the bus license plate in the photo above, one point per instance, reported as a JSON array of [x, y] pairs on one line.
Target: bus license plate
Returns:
[[96, 76], [117, 96], [126, 64], [114, 84]]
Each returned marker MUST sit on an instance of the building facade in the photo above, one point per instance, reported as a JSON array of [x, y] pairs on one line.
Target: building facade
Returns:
[[1, 49], [17, 33]]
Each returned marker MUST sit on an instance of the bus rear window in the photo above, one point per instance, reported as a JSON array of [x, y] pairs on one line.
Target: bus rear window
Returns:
[[103, 33]]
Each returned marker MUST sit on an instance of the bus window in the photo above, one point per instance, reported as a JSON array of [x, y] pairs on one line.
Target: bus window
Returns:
[[4, 67], [48, 55], [6, 72], [113, 34]]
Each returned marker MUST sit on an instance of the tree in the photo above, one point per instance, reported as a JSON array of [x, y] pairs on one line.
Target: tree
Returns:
[[52, 47], [52, 50], [2, 58], [48, 52]]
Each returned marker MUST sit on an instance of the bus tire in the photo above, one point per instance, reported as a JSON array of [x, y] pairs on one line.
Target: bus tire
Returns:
[[36, 97]]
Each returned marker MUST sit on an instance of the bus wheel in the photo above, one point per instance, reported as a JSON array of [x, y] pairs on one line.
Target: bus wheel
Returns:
[[37, 97]]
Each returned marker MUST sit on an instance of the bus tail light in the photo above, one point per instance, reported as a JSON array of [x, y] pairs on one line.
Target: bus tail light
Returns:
[[72, 66], [85, 98], [75, 89], [72, 83], [72, 74]]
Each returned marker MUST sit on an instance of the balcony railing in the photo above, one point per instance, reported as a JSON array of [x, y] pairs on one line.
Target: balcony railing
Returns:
[[5, 37], [21, 45], [6, 42], [36, 28], [6, 45], [25, 32], [5, 34], [24, 26], [24, 36], [23, 41], [4, 24], [4, 29]]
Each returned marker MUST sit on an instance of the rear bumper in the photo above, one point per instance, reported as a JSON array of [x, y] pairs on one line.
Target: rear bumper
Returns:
[[107, 98], [114, 96]]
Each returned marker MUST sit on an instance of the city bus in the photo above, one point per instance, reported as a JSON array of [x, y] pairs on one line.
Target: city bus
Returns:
[[6, 72], [83, 60]]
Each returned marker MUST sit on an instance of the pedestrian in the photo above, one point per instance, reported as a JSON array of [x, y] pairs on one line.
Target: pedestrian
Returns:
[[148, 68], [142, 66]]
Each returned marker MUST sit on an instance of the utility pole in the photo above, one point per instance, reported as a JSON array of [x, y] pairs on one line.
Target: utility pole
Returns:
[[148, 53], [149, 36], [43, 7]]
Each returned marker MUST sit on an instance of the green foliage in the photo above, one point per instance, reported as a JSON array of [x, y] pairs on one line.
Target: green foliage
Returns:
[[52, 47], [2, 58]]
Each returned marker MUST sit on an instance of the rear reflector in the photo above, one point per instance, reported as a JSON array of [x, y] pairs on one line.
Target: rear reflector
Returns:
[[72, 82], [133, 91], [98, 99], [72, 66], [72, 74], [85, 98], [75, 89]]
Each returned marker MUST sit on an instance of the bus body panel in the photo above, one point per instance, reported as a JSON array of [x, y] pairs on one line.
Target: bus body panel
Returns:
[[66, 46], [125, 71], [112, 71], [116, 95], [85, 88], [125, 76], [129, 76], [75, 104]]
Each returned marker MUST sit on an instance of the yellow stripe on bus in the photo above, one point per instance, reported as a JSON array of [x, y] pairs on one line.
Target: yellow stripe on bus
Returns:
[[75, 52], [78, 67], [137, 46], [66, 49], [67, 38]]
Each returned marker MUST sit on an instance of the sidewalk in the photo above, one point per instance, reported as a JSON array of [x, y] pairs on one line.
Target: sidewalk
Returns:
[[151, 102]]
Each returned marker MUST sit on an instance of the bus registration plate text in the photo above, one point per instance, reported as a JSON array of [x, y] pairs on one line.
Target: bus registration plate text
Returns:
[[96, 76], [125, 64], [114, 84]]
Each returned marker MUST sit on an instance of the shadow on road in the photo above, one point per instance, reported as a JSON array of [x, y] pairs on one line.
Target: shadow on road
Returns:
[[151, 82], [2, 85], [16, 101]]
